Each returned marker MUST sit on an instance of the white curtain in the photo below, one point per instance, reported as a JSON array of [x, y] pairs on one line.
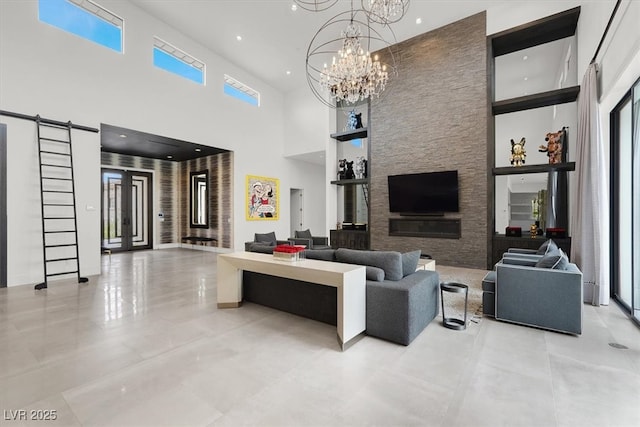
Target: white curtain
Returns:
[[590, 208]]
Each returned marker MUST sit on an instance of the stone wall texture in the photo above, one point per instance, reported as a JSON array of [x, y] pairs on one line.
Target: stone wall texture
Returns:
[[433, 117]]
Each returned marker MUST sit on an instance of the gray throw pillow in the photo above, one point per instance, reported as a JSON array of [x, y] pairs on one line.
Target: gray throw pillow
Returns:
[[375, 274], [389, 261], [410, 262], [304, 234], [563, 262], [550, 259], [269, 238], [546, 247]]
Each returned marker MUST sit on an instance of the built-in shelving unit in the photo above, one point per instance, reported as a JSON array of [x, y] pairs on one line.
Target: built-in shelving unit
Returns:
[[350, 134], [354, 195], [351, 181], [544, 99], [542, 31], [518, 170]]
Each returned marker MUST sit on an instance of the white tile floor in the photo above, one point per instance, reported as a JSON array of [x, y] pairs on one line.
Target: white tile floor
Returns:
[[144, 344]]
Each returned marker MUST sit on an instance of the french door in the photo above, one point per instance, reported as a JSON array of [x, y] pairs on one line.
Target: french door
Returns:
[[126, 210], [625, 218]]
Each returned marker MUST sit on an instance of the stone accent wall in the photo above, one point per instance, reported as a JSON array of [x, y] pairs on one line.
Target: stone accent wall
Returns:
[[433, 117]]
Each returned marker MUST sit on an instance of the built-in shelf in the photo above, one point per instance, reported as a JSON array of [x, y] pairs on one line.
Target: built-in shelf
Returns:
[[350, 134], [543, 99], [517, 170], [351, 181], [535, 33]]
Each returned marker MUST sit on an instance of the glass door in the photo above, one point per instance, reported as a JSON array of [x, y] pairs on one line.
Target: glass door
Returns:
[[126, 210], [625, 218]]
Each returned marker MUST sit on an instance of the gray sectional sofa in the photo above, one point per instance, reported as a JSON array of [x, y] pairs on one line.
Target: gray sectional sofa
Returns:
[[400, 301]]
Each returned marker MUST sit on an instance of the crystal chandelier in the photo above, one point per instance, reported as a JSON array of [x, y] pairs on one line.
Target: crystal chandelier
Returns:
[[353, 75], [385, 11]]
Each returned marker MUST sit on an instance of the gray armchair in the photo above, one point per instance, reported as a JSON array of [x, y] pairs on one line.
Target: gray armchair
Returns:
[[264, 242], [547, 298], [311, 242]]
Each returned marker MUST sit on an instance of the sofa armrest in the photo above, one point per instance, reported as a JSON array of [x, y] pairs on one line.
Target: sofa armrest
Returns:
[[526, 261], [308, 243], [320, 241], [399, 310], [522, 251], [283, 242]]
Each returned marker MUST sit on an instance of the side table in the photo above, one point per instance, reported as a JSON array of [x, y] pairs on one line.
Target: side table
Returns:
[[453, 322]]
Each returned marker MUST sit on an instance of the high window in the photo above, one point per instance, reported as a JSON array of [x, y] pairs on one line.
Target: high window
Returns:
[[176, 61], [241, 91], [84, 18]]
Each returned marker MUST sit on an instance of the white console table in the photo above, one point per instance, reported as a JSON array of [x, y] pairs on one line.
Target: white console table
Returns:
[[348, 279]]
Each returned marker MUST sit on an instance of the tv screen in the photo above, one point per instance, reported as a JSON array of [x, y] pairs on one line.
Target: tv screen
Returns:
[[424, 193]]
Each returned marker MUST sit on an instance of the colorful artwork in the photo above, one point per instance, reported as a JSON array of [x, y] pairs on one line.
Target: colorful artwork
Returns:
[[263, 198]]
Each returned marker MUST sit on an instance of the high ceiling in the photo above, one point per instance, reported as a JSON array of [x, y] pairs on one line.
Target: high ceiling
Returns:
[[275, 38]]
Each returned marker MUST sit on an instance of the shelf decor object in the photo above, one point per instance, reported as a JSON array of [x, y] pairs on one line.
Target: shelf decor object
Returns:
[[288, 252]]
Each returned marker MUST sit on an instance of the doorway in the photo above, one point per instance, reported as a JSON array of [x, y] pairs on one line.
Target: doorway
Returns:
[[297, 210], [625, 202], [126, 210]]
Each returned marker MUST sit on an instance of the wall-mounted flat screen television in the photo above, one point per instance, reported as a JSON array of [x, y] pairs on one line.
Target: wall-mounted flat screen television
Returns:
[[424, 193]]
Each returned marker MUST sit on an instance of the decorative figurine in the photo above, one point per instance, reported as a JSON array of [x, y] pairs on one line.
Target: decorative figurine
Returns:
[[533, 230], [360, 167], [342, 164], [554, 147], [349, 172], [518, 152], [354, 120]]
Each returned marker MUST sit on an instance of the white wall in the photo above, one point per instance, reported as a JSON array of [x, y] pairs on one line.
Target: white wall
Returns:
[[60, 76]]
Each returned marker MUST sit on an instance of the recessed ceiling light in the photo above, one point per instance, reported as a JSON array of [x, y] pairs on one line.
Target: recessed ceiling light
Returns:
[[288, 73], [526, 78], [418, 21], [294, 7], [198, 150], [524, 58], [239, 38], [169, 157], [123, 135]]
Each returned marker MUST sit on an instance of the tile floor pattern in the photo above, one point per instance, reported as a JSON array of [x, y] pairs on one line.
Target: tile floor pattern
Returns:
[[144, 345]]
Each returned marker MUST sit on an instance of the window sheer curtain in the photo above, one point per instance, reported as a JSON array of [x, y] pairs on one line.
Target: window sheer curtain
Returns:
[[590, 208]]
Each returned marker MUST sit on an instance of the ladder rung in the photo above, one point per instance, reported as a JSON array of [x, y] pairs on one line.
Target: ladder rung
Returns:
[[56, 166], [60, 259], [57, 179], [57, 191], [57, 204], [54, 140], [49, 125], [54, 152], [60, 274], [60, 231], [59, 217], [60, 246]]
